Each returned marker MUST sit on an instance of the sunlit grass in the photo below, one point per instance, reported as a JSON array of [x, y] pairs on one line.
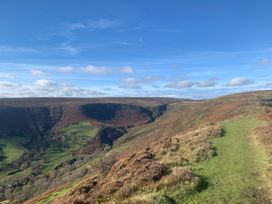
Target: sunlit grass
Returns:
[[73, 137], [12, 148], [235, 171]]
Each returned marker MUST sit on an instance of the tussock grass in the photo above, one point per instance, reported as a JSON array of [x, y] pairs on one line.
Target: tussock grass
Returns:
[[188, 148], [179, 175]]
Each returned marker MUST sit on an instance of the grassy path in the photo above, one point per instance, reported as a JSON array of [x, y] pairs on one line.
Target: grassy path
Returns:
[[234, 173]]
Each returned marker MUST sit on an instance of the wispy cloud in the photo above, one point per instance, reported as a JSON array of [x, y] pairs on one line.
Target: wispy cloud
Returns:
[[74, 26], [7, 75], [92, 24], [69, 49], [4, 48], [130, 83], [127, 70], [152, 78], [102, 23], [264, 62], [37, 72], [125, 43], [131, 28], [66, 69]]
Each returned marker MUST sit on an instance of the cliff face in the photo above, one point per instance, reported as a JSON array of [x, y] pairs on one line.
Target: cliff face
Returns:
[[20, 121], [117, 114]]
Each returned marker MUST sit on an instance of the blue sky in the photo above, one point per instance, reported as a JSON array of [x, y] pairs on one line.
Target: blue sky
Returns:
[[96, 48]]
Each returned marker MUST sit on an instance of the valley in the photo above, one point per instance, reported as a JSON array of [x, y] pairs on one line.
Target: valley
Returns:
[[136, 150]]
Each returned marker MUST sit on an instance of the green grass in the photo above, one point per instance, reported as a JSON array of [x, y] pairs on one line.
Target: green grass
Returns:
[[74, 137], [55, 195], [12, 148], [53, 157], [21, 174], [230, 177], [236, 169]]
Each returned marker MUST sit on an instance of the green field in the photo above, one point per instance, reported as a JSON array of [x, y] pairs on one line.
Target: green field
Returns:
[[73, 137], [12, 148]]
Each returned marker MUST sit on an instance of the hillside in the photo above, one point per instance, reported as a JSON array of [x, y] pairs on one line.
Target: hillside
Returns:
[[136, 150]]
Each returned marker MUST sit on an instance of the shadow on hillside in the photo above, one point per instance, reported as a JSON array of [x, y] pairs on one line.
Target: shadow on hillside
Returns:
[[266, 102], [203, 184]]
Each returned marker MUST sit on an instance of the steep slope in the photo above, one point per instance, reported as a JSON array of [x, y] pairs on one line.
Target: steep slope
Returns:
[[42, 138]]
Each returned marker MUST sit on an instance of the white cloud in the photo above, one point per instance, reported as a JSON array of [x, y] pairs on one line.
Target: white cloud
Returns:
[[44, 88], [152, 78], [66, 69], [91, 69], [206, 84], [6, 84], [37, 72], [131, 83], [45, 83], [130, 80], [127, 69], [239, 81], [181, 84], [211, 82]]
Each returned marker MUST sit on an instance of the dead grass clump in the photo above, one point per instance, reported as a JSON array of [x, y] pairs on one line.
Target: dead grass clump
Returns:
[[191, 147], [138, 201], [123, 180], [266, 115], [265, 135], [104, 164], [179, 175], [127, 191]]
